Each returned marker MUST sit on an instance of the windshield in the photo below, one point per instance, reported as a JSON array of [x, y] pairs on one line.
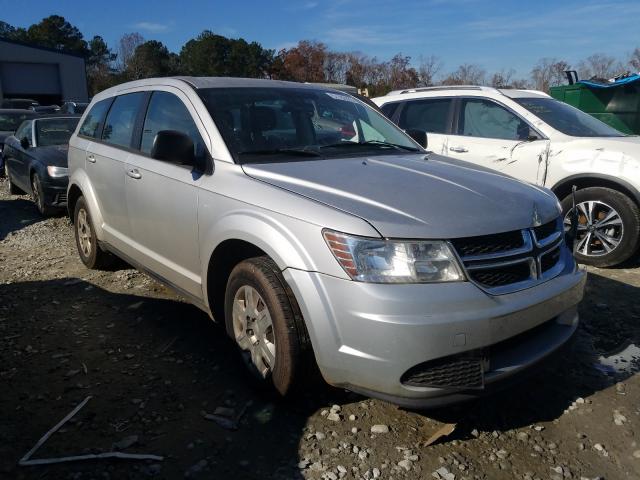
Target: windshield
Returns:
[[9, 122], [271, 124], [567, 119], [54, 131]]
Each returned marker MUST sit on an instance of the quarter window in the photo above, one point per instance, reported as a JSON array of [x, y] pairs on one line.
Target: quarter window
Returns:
[[429, 115], [24, 131], [486, 119], [119, 125], [167, 112], [91, 125]]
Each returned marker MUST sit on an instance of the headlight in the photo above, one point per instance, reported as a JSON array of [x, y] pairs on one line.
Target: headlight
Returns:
[[394, 261], [56, 172]]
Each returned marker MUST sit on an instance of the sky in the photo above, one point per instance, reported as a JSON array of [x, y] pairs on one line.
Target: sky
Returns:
[[494, 34]]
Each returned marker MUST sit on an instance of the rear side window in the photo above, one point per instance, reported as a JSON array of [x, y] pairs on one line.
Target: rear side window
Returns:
[[167, 112], [91, 125], [432, 115], [486, 119], [389, 109], [121, 119]]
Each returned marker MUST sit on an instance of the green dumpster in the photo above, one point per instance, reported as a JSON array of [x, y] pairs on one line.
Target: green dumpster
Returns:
[[615, 103]]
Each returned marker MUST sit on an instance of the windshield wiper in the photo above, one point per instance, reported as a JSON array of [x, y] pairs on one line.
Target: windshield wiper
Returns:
[[286, 151], [372, 142]]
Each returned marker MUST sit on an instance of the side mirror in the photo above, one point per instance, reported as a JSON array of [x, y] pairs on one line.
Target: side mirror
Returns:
[[24, 143], [419, 136], [173, 146]]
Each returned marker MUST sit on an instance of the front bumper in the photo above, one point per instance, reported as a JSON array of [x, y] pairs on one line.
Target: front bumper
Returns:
[[366, 336], [55, 192]]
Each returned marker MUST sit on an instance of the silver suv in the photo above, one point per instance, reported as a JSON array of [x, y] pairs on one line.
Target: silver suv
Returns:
[[316, 230]]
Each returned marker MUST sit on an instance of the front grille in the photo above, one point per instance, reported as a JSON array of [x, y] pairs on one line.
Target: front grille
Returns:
[[449, 372], [511, 261], [487, 244], [500, 276]]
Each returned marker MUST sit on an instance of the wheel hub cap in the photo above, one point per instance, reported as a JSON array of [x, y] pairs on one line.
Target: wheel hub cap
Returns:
[[600, 228], [84, 233], [253, 330]]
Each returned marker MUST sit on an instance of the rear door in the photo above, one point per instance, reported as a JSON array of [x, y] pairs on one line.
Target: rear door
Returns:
[[106, 158], [162, 196], [433, 115], [493, 136]]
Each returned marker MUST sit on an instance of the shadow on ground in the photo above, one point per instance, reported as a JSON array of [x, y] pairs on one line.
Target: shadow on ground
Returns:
[[17, 214]]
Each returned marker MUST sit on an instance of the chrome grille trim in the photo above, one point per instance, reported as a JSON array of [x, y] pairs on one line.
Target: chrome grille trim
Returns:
[[532, 253]]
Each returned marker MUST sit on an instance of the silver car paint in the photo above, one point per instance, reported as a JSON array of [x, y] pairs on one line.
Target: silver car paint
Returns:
[[283, 208]]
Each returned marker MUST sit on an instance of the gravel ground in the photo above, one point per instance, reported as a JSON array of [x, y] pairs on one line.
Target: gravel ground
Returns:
[[156, 366]]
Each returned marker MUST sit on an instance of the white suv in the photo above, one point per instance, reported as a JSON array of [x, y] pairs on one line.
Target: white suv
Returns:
[[530, 136]]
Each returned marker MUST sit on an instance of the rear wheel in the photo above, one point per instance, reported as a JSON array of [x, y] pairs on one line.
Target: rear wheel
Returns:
[[37, 194], [263, 318], [90, 252], [13, 189], [608, 226]]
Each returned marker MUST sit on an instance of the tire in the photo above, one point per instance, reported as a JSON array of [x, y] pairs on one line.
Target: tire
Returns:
[[287, 332], [86, 241], [38, 197], [617, 239], [13, 189]]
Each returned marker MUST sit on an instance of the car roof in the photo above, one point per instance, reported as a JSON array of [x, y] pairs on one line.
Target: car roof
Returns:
[[18, 110], [460, 90]]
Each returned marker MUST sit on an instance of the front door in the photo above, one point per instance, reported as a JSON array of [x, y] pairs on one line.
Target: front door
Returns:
[[490, 135], [162, 197]]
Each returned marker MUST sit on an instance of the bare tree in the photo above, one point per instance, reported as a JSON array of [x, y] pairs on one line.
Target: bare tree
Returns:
[[428, 68], [466, 74], [548, 72], [126, 48], [599, 65], [336, 66], [634, 61]]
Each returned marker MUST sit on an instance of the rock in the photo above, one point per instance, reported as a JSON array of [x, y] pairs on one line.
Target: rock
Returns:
[[336, 408], [636, 454], [375, 472], [320, 436], [363, 454], [125, 443], [352, 417], [341, 469], [302, 464], [522, 436], [475, 433], [406, 464], [618, 418], [502, 454], [380, 429], [354, 430], [330, 476], [333, 416], [598, 447]]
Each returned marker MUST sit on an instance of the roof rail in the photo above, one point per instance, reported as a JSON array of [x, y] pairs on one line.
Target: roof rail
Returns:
[[440, 88]]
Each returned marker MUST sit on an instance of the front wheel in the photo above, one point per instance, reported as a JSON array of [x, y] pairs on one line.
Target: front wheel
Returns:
[[263, 318], [37, 193], [608, 226]]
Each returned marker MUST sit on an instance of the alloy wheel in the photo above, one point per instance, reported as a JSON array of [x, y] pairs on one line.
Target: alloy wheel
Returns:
[[84, 233], [35, 188], [600, 228], [253, 329]]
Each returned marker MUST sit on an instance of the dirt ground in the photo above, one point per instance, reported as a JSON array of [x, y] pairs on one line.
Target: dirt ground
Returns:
[[154, 366]]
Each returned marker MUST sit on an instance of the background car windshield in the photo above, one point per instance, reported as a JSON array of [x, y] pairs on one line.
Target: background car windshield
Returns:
[[264, 121], [9, 122], [567, 119], [56, 131]]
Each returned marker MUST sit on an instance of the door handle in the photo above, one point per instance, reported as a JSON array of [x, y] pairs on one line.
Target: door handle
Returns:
[[134, 173], [458, 149], [91, 159]]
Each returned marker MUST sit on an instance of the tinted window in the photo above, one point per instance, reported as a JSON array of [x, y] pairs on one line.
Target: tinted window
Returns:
[[91, 125], [118, 127], [9, 122], [567, 119], [389, 109], [486, 119], [428, 115], [54, 131], [167, 112], [270, 124]]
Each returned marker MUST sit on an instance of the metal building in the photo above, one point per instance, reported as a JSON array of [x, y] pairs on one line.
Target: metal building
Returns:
[[47, 75]]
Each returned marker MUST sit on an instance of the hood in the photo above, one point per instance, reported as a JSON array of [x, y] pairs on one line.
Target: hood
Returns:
[[408, 196], [55, 155]]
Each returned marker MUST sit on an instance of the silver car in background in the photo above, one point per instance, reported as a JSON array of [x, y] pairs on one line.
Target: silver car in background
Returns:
[[317, 231]]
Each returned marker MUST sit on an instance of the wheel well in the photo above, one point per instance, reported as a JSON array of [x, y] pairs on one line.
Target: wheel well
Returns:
[[74, 194], [563, 189], [224, 258]]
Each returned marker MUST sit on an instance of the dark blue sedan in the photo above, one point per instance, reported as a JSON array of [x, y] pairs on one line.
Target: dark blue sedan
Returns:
[[36, 160]]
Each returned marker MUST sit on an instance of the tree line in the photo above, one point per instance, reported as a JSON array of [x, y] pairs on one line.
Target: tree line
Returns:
[[211, 54]]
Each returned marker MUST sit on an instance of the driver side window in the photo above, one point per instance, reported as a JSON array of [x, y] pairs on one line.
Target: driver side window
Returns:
[[486, 119]]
